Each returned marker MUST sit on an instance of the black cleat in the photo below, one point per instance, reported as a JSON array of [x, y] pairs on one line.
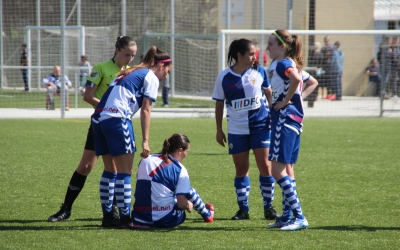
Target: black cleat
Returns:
[[270, 213], [115, 212], [241, 215], [63, 214], [109, 220], [128, 223]]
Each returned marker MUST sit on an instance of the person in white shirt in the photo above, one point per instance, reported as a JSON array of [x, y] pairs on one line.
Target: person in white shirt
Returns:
[[53, 84]]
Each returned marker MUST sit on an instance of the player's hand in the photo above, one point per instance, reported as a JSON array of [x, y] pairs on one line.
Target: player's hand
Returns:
[[189, 207], [280, 104], [221, 138], [146, 150]]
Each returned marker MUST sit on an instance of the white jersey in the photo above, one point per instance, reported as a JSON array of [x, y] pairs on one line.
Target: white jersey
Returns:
[[244, 98], [280, 84], [125, 94], [158, 184], [57, 81], [271, 69]]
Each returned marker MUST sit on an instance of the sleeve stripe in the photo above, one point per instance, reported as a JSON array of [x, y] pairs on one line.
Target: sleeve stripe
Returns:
[[288, 71]]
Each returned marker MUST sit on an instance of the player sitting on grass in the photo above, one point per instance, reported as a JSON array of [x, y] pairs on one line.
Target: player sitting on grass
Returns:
[[163, 192]]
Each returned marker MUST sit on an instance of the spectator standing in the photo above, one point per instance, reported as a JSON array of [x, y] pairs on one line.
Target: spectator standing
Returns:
[[394, 68], [384, 57], [53, 84], [327, 79], [165, 91], [24, 62], [337, 71], [374, 75], [83, 73], [257, 54], [316, 60]]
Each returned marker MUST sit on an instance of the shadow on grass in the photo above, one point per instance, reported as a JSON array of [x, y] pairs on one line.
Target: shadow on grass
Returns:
[[68, 225], [354, 228], [203, 153]]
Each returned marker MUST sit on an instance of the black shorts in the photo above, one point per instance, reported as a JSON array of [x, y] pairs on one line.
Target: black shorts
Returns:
[[90, 139]]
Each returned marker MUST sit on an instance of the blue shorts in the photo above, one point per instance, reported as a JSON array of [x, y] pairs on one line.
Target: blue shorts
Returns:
[[113, 136], [172, 219], [260, 138], [285, 141]]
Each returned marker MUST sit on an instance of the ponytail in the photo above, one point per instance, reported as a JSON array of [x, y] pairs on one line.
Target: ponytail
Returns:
[[175, 142], [153, 56], [296, 51], [293, 46], [239, 46]]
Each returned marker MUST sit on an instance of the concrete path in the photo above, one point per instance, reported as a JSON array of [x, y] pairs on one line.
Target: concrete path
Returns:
[[348, 107]]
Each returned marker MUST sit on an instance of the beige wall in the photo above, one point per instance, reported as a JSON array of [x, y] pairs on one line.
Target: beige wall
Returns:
[[349, 15], [330, 15]]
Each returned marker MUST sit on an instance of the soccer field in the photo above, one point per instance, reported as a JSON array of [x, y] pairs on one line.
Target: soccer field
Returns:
[[347, 180]]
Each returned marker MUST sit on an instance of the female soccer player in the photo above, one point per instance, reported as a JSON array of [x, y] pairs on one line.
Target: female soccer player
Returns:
[[97, 83], [163, 192], [286, 120], [244, 87], [133, 89], [310, 84]]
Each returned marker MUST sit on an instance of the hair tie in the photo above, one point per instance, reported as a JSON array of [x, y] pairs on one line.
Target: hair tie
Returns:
[[280, 39], [165, 60]]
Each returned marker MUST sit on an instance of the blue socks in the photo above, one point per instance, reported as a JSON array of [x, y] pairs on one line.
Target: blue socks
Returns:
[[242, 185], [267, 185], [198, 203], [123, 194], [290, 195], [107, 185]]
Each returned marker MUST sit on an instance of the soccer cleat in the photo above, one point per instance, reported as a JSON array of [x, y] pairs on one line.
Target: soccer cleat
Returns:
[[327, 97], [109, 220], [131, 225], [296, 224], [270, 213], [63, 214], [210, 208], [115, 212], [332, 97], [127, 223], [241, 215], [279, 223]]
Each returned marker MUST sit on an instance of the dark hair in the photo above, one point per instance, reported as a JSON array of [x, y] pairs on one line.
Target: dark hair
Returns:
[[293, 46], [153, 56], [141, 57], [173, 143], [23, 45], [123, 42], [239, 46]]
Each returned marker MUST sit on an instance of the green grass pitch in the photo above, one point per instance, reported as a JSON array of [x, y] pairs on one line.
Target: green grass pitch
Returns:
[[347, 179]]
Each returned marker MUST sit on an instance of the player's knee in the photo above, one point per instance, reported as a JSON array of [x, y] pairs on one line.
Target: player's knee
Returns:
[[85, 168]]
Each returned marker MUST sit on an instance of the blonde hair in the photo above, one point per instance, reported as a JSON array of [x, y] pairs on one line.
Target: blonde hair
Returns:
[[317, 46]]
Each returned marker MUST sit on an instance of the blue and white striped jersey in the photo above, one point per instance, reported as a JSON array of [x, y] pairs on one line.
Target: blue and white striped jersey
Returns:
[[280, 84], [124, 96], [158, 183], [244, 99]]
